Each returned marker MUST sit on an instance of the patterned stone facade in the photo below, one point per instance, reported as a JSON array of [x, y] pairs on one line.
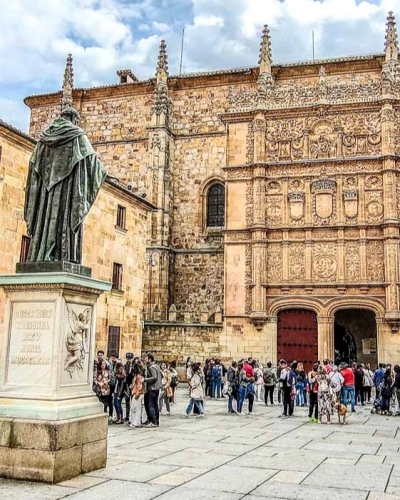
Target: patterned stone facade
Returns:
[[309, 157], [104, 243]]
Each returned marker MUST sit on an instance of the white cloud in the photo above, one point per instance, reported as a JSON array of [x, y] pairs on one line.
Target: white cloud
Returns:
[[105, 35]]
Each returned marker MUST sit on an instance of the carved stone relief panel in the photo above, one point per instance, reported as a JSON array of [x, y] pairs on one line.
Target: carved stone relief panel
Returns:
[[375, 261], [352, 261], [274, 203], [361, 134], [323, 140], [248, 279], [249, 203], [274, 267], [296, 200], [324, 200], [285, 139], [324, 262], [297, 262], [374, 206]]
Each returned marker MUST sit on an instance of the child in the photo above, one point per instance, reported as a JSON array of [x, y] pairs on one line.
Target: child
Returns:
[[251, 390]]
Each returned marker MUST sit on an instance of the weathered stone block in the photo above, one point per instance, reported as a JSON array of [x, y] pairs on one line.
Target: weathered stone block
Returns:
[[5, 431], [94, 455]]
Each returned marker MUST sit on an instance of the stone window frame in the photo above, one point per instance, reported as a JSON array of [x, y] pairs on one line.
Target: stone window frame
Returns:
[[206, 186]]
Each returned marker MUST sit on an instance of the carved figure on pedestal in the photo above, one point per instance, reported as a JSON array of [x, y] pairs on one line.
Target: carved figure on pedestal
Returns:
[[77, 340]]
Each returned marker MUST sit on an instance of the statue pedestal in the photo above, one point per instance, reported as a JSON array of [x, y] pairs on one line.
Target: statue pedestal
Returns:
[[52, 426]]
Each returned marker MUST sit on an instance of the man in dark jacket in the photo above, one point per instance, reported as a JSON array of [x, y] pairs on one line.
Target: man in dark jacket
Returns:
[[153, 381], [129, 378]]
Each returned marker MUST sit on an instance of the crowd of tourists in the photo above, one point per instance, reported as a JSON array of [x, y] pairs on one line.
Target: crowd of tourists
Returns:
[[144, 390]]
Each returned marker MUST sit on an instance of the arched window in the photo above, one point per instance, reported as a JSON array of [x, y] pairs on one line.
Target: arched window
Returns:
[[216, 206]]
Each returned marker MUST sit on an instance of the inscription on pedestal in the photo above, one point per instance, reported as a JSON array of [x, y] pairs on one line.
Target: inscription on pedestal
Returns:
[[30, 344]]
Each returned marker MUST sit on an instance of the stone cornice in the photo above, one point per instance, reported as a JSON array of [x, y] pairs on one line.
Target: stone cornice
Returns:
[[121, 189], [17, 136]]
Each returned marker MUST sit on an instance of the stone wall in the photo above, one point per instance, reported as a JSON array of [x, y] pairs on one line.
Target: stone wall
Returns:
[[198, 282], [178, 342]]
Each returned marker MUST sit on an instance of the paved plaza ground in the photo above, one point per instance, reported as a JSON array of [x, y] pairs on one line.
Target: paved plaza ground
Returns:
[[228, 457]]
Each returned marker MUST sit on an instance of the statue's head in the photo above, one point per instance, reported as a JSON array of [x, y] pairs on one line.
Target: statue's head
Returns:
[[71, 114]]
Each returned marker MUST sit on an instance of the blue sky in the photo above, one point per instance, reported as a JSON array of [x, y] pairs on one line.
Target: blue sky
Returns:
[[107, 35]]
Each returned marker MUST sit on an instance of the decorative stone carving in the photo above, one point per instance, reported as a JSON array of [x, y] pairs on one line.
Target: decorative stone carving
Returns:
[[77, 341], [352, 261], [274, 209], [296, 202], [324, 261], [274, 268], [350, 197], [323, 198], [374, 206], [297, 262], [375, 261]]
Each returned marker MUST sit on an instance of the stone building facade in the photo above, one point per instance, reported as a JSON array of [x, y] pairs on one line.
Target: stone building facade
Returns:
[[106, 241], [278, 202]]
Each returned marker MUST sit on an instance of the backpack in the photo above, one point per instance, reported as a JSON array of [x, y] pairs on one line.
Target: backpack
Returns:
[[251, 389], [174, 380], [323, 385], [291, 378], [268, 377], [216, 372]]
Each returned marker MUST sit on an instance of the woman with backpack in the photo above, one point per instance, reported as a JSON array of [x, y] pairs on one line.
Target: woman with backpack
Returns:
[[270, 380], [325, 395], [216, 379], [243, 382]]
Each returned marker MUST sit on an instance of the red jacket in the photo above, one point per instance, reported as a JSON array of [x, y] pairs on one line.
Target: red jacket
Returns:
[[348, 376], [249, 370]]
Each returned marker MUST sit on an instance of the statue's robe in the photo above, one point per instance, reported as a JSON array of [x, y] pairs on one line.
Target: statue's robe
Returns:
[[64, 179]]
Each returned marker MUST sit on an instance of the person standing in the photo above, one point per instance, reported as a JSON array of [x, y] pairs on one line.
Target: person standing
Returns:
[[396, 386], [368, 382], [216, 380], [174, 381], [287, 381], [270, 380], [112, 363], [386, 392], [165, 391], [378, 379], [153, 381], [243, 381], [300, 383], [338, 380], [327, 366], [250, 395], [313, 386], [120, 391], [102, 383], [129, 377], [259, 380], [325, 395], [232, 390], [359, 384], [348, 385], [196, 392], [137, 391]]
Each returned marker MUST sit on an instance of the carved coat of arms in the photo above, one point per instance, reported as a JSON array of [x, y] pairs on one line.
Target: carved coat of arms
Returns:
[[296, 201], [323, 192], [350, 197]]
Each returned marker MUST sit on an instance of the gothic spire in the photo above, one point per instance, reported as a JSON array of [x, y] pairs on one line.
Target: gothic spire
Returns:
[[265, 60], [68, 83], [162, 65], [265, 76], [391, 43]]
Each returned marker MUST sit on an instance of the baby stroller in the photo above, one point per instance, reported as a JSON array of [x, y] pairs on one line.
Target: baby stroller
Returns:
[[382, 403], [376, 406]]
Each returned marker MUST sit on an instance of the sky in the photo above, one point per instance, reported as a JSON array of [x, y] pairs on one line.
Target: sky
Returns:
[[106, 35]]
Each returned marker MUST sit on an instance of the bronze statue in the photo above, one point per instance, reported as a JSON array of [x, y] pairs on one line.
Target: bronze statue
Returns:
[[65, 176]]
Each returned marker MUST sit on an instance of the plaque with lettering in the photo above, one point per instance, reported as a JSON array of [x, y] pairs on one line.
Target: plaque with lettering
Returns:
[[31, 344]]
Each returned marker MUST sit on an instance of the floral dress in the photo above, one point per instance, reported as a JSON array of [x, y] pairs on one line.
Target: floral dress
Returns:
[[325, 394]]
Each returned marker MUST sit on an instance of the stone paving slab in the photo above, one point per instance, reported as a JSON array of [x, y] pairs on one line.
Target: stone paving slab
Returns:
[[291, 491], [121, 490]]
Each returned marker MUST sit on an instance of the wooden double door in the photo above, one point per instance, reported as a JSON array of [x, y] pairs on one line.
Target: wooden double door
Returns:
[[298, 336]]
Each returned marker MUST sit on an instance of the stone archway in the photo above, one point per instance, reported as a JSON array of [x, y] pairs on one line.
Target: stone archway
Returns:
[[355, 336]]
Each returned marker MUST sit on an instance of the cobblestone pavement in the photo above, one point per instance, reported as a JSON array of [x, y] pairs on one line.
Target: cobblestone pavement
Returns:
[[231, 457]]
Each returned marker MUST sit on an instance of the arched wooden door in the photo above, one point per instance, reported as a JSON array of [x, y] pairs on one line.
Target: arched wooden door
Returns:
[[298, 336]]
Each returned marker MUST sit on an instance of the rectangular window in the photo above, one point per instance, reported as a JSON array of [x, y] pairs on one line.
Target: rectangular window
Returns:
[[114, 338], [25, 242], [117, 277], [121, 217]]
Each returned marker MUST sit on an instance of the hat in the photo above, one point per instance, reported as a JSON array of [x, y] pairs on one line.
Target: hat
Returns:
[[343, 365], [129, 355], [69, 111]]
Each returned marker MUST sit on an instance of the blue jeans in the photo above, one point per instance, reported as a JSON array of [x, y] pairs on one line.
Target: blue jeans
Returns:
[[230, 403], [242, 395], [300, 394], [216, 387], [193, 402], [348, 390], [118, 406]]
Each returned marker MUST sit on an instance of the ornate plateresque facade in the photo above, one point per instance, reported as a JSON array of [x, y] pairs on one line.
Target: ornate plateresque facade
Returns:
[[309, 157]]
